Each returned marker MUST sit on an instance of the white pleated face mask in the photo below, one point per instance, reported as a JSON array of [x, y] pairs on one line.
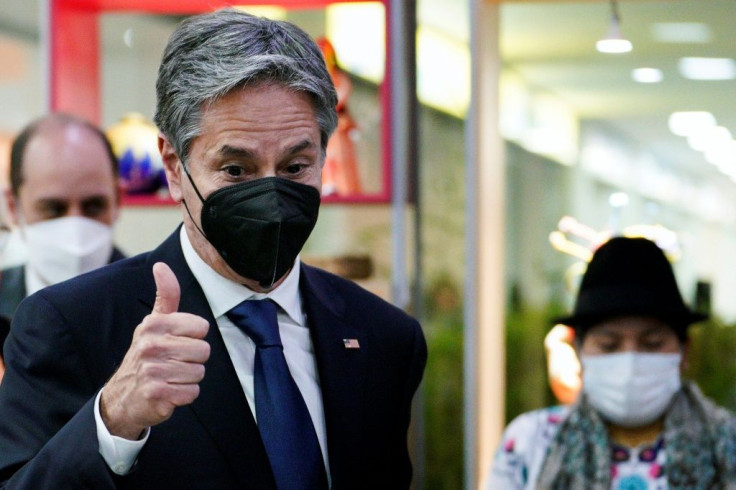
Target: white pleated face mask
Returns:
[[62, 248], [631, 389]]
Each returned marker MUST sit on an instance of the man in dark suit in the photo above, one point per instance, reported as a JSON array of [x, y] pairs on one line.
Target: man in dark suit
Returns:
[[65, 197], [144, 374]]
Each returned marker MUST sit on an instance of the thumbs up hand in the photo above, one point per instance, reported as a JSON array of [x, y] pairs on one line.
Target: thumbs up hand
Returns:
[[162, 368], [167, 289]]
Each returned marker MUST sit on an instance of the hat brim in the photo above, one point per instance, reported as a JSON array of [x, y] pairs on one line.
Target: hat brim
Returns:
[[674, 319]]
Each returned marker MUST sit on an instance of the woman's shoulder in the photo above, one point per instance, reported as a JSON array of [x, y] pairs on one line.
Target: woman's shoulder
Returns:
[[523, 447], [539, 419], [535, 426], [715, 415]]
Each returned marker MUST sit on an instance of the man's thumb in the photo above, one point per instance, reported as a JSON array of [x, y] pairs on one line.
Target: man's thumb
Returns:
[[167, 289]]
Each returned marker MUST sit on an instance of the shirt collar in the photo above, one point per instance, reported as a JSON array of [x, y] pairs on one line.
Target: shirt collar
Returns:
[[224, 294], [33, 281]]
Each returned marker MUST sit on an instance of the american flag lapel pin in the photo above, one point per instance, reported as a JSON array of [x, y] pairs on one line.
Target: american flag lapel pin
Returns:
[[351, 343]]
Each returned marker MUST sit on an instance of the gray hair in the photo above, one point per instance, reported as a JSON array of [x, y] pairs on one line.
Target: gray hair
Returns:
[[212, 54]]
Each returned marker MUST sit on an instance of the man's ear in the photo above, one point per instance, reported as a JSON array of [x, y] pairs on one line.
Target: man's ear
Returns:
[[172, 166], [11, 205]]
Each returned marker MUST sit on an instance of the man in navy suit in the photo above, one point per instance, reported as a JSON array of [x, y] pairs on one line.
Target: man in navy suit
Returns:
[[136, 375], [65, 197]]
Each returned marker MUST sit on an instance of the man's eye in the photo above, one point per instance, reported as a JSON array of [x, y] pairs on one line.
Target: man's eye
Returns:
[[234, 171], [94, 208], [55, 210], [295, 168]]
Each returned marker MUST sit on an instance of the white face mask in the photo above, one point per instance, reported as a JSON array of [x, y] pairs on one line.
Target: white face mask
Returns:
[[631, 389], [62, 248]]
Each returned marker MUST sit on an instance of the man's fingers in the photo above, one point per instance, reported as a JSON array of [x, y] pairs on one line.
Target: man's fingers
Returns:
[[184, 394], [176, 348], [167, 289], [176, 324], [174, 372]]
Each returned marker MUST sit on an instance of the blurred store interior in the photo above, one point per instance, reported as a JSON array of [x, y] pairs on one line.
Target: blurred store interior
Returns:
[[575, 145]]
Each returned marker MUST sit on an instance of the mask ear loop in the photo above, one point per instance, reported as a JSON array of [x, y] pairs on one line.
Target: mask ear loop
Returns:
[[184, 167]]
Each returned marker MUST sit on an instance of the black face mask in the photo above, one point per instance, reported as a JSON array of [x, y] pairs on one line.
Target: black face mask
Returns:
[[259, 226]]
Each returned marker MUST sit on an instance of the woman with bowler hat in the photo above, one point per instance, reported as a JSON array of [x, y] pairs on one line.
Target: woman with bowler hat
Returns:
[[637, 425]]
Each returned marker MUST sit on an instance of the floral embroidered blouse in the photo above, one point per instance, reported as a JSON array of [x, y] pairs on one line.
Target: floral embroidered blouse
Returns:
[[524, 445]]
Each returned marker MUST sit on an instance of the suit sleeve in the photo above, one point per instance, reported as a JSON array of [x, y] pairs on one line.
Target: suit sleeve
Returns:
[[414, 373], [47, 429]]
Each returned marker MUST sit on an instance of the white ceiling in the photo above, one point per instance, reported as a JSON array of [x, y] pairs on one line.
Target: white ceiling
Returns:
[[551, 44]]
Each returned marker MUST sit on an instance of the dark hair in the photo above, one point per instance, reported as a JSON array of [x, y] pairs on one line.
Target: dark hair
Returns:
[[678, 326], [44, 123]]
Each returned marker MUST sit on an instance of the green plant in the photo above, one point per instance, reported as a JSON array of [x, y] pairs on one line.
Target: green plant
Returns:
[[443, 386], [711, 361]]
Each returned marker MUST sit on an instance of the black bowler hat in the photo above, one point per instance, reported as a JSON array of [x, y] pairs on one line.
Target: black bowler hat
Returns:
[[630, 276]]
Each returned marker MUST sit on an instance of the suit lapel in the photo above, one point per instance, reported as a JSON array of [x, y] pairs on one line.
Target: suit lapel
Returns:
[[341, 372], [221, 406]]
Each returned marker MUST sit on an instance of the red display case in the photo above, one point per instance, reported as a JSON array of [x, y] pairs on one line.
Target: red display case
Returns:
[[75, 63]]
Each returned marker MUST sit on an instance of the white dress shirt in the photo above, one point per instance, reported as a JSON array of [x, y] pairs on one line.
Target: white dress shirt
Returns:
[[33, 281], [222, 295]]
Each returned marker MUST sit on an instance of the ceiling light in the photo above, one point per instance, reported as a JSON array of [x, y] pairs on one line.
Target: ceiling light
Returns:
[[618, 200], [723, 157], [707, 68], [681, 32], [647, 75], [688, 122], [708, 138], [614, 42]]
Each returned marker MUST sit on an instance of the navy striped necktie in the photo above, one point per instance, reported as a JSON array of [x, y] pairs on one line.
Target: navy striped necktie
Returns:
[[283, 418]]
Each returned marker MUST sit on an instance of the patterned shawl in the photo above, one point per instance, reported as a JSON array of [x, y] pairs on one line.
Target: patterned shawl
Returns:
[[700, 440]]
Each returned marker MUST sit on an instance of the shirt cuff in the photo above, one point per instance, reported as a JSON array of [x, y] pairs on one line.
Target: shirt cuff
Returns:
[[119, 454]]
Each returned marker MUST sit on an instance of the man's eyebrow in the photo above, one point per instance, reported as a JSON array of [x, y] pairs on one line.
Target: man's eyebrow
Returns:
[[301, 146], [51, 201], [96, 197], [232, 151]]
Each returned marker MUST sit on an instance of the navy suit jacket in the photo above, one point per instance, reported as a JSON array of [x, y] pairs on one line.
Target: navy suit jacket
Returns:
[[67, 340], [13, 287]]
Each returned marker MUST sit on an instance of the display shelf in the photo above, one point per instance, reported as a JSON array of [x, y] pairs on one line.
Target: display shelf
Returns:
[[147, 200], [74, 68]]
